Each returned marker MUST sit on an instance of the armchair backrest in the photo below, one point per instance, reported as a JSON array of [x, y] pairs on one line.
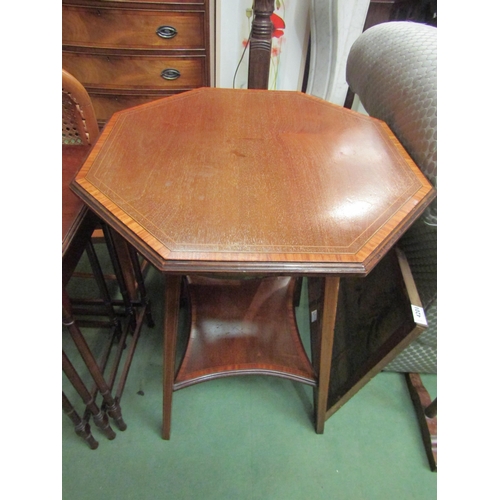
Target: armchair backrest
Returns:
[[392, 67]]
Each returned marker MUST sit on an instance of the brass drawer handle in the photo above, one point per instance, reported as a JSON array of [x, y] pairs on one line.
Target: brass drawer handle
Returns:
[[166, 32], [170, 74]]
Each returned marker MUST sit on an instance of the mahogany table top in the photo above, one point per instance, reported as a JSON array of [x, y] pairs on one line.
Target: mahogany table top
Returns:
[[224, 180]]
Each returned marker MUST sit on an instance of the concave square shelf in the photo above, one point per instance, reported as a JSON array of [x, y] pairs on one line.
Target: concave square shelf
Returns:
[[243, 327]]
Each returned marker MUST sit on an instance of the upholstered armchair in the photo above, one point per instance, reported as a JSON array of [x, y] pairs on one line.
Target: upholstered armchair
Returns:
[[392, 68]]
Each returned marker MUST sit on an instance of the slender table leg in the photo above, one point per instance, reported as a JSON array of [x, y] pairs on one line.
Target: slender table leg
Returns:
[[171, 320], [329, 313]]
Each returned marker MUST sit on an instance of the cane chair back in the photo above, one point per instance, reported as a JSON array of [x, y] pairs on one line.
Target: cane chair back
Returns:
[[79, 123]]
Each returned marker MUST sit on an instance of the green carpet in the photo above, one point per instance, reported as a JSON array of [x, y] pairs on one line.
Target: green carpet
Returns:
[[248, 438]]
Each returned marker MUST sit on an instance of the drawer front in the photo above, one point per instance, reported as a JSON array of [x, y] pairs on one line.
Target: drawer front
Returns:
[[134, 29], [136, 72], [168, 2], [106, 105]]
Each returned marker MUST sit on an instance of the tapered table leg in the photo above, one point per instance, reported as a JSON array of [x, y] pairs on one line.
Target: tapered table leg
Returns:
[[171, 321], [330, 297]]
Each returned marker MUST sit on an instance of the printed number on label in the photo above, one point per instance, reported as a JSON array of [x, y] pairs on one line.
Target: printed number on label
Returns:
[[419, 315]]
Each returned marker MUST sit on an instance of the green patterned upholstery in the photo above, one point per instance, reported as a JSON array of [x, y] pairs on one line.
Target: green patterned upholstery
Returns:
[[392, 67]]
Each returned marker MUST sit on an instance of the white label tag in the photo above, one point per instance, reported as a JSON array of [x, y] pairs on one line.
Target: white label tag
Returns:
[[419, 315], [314, 315]]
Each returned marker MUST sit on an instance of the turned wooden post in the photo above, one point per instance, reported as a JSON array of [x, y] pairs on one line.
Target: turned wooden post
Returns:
[[100, 417], [112, 405], [260, 45], [82, 428]]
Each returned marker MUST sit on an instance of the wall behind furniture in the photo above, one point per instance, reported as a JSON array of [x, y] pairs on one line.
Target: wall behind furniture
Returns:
[[335, 25], [289, 49]]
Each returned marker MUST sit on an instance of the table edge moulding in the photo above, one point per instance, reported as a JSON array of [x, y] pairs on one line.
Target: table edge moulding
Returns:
[[169, 260]]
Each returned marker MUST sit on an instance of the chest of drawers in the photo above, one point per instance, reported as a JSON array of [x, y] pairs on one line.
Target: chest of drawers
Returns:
[[128, 52]]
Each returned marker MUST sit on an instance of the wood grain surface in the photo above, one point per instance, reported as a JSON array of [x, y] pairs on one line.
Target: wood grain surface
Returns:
[[243, 327], [250, 180]]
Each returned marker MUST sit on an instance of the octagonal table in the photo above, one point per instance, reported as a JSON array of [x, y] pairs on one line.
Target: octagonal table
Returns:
[[243, 192]]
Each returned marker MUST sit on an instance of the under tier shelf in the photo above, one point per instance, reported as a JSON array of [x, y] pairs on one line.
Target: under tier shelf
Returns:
[[243, 327]]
